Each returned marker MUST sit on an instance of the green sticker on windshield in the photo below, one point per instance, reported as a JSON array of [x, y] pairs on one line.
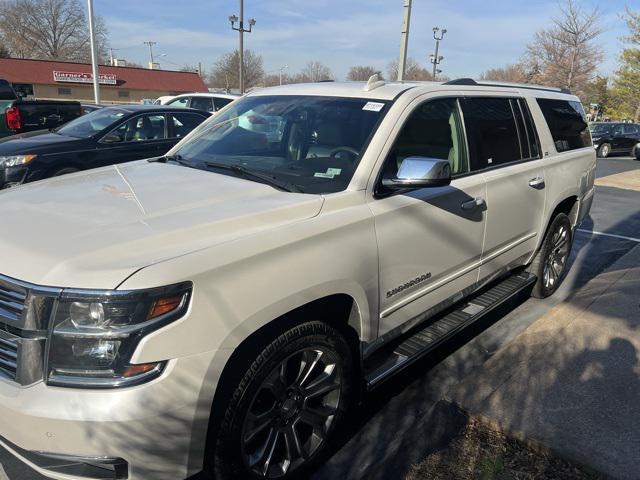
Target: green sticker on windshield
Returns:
[[330, 173]]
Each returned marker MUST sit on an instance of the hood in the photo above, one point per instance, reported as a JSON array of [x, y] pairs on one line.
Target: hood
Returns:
[[35, 142], [93, 229]]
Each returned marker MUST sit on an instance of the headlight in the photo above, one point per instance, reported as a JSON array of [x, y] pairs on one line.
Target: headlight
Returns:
[[95, 333], [16, 160]]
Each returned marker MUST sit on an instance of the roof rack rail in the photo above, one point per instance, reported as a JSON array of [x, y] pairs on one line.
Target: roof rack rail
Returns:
[[487, 83]]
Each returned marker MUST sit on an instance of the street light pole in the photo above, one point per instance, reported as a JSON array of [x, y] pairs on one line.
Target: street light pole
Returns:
[[94, 54], [435, 59], [241, 30], [404, 40]]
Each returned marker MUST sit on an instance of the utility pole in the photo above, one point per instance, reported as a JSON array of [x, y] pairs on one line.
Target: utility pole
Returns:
[[404, 40], [94, 54], [435, 59], [151, 44], [241, 30]]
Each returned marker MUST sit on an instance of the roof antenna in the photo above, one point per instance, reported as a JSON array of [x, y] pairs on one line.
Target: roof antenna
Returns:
[[375, 81]]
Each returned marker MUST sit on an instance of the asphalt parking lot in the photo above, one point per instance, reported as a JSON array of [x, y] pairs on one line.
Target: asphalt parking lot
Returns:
[[402, 421]]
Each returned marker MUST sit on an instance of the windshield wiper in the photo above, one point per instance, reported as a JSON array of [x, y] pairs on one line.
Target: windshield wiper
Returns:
[[263, 177], [171, 158]]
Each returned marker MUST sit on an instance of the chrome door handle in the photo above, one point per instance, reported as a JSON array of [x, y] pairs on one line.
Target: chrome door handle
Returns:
[[473, 204], [537, 182]]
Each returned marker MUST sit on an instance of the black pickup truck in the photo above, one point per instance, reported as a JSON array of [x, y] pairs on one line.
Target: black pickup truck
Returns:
[[19, 116]]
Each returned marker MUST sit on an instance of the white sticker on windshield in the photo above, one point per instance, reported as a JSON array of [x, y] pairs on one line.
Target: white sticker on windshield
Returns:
[[334, 171], [373, 107], [323, 175]]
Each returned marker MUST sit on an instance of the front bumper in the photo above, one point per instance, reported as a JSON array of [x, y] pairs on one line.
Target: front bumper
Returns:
[[155, 431], [12, 176]]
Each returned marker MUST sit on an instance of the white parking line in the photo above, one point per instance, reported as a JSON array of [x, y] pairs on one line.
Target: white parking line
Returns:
[[632, 239], [3, 474]]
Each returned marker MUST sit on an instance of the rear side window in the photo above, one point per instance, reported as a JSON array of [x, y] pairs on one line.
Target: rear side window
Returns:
[[567, 123], [492, 132], [202, 103], [6, 91], [221, 102], [183, 123]]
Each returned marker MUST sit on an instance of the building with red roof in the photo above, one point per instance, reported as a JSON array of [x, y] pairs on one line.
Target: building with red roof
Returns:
[[45, 79]]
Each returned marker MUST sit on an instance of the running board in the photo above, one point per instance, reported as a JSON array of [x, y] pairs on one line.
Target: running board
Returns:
[[424, 340]]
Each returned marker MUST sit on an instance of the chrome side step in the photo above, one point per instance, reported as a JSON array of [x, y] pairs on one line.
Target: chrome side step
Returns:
[[424, 339]]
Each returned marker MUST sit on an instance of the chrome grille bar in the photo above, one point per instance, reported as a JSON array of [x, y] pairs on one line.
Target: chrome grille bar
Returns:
[[25, 310]]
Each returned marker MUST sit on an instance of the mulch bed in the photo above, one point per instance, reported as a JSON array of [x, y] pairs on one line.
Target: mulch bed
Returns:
[[482, 453]]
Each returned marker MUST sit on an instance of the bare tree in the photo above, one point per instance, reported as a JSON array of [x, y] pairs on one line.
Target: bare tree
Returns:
[[413, 71], [566, 54], [515, 73], [361, 73], [50, 29], [225, 73], [314, 71]]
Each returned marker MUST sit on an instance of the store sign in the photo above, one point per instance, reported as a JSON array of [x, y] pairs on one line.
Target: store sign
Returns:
[[79, 77]]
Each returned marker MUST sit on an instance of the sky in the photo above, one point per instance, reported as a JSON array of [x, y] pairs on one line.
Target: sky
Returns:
[[481, 34]]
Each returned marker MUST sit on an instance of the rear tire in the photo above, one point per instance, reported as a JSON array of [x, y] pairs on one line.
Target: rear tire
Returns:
[[635, 152], [283, 409], [604, 150], [550, 264]]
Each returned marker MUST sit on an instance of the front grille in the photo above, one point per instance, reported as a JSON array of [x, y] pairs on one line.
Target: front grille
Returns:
[[12, 303], [8, 357], [25, 310]]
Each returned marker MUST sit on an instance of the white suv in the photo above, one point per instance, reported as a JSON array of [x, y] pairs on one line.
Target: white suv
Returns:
[[221, 308]]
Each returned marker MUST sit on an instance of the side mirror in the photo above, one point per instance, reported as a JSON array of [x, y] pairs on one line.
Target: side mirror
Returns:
[[420, 172], [111, 138]]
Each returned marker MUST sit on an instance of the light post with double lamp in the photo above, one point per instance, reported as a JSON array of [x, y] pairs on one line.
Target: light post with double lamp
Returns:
[[438, 35], [241, 30]]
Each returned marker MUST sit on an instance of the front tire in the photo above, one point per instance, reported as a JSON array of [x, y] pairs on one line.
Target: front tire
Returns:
[[285, 406], [604, 150], [550, 264]]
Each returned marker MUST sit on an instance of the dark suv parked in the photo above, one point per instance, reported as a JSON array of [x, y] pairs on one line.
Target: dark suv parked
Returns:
[[611, 138]]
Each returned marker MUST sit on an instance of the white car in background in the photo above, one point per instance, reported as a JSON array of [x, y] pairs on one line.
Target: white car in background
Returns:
[[209, 102]]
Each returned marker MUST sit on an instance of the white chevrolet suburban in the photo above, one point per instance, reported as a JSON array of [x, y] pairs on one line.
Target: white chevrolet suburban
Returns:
[[219, 309]]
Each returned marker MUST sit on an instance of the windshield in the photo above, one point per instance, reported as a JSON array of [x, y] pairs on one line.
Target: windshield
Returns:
[[600, 128], [313, 143], [92, 123]]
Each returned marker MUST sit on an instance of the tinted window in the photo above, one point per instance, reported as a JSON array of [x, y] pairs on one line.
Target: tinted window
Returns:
[[311, 142], [222, 102], [434, 130], [630, 130], [601, 128], [202, 103], [92, 123], [6, 92], [567, 123], [491, 131], [183, 123], [142, 128]]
